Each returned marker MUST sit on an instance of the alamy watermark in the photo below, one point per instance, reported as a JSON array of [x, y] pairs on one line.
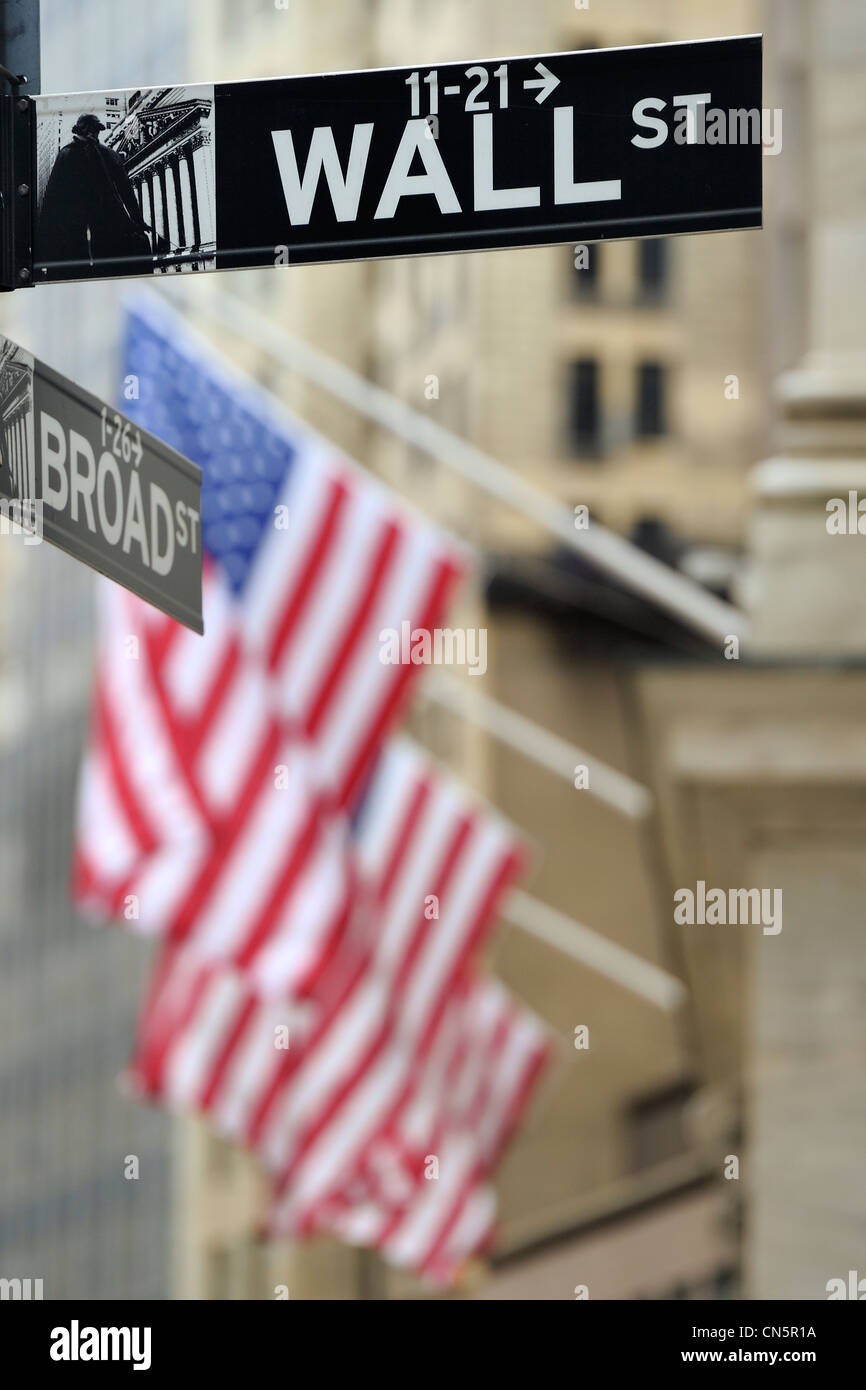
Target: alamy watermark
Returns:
[[438, 646], [21, 517], [21, 1290], [717, 907], [696, 122], [852, 1288], [846, 516], [77, 1343]]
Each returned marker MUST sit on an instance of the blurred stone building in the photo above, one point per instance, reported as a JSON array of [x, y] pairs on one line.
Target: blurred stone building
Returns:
[[604, 386], [676, 1158]]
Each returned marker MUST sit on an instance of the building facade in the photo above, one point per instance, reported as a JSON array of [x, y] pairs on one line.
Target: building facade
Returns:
[[598, 373], [163, 138]]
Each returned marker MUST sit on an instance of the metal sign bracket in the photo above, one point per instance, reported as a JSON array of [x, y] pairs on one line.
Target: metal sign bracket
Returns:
[[20, 67], [16, 191]]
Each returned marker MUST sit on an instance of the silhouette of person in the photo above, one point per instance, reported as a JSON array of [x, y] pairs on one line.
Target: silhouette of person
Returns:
[[90, 222]]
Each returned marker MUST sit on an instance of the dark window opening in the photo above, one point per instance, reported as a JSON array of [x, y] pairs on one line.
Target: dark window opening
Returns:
[[584, 416], [653, 266], [651, 413], [657, 1126]]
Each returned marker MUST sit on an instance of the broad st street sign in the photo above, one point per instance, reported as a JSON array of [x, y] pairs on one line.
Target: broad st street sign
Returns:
[[78, 473], [564, 147]]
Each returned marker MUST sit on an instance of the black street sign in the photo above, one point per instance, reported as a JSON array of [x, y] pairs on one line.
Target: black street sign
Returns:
[[565, 147], [76, 472]]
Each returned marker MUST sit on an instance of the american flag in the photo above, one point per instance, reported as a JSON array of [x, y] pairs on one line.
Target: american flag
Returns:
[[381, 1106], [318, 556], [192, 833], [307, 878], [208, 801], [423, 1196]]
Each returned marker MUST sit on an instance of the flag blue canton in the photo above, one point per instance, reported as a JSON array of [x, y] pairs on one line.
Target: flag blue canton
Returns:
[[244, 461]]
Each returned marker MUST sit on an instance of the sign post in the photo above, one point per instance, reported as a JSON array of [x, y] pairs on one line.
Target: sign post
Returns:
[[629, 142], [75, 472]]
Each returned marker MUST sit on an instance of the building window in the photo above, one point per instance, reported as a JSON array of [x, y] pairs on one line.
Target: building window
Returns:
[[651, 412], [584, 422], [657, 1126], [653, 269]]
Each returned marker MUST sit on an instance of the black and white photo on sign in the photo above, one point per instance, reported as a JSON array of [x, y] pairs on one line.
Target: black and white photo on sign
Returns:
[[17, 453], [125, 183]]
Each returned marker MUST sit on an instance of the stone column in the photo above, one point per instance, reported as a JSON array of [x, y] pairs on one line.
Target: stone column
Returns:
[[168, 230], [151, 184], [182, 173], [806, 1036], [12, 444], [27, 485], [806, 585], [146, 209], [174, 166], [193, 194], [22, 457]]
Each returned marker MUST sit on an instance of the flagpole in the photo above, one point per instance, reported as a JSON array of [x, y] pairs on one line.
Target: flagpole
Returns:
[[596, 952], [548, 750]]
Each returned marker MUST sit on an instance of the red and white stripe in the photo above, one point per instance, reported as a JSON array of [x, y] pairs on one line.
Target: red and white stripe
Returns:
[[361, 1064], [423, 1196], [232, 844], [399, 1050], [178, 807]]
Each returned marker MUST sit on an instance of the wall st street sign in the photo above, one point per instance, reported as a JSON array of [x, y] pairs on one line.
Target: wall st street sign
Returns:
[[564, 147], [89, 480], [539, 150]]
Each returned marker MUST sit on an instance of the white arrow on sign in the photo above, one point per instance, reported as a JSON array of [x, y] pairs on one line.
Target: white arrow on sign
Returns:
[[547, 82]]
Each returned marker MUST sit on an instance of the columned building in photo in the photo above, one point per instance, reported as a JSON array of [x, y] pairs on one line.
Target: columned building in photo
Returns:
[[164, 140], [16, 418]]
